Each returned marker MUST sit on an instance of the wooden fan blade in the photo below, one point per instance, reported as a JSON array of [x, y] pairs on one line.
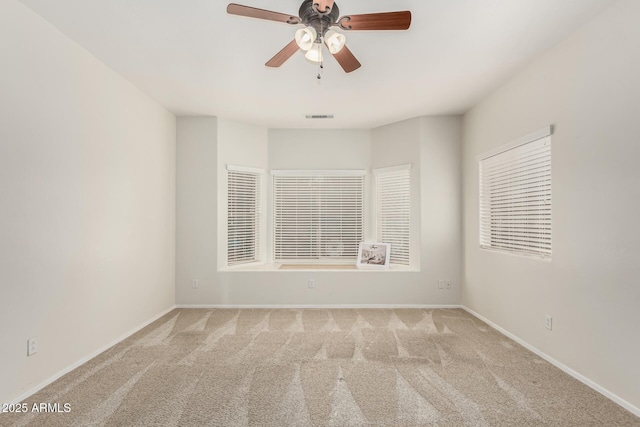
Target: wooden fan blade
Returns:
[[252, 12], [323, 5], [376, 21], [347, 61], [282, 56]]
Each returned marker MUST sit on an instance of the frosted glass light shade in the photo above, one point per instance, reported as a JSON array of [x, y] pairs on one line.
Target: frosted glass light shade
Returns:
[[315, 53], [334, 41], [305, 38]]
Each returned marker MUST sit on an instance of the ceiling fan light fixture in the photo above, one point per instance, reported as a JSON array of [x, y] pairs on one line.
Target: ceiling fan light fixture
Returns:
[[318, 16], [315, 53], [306, 37], [334, 41]]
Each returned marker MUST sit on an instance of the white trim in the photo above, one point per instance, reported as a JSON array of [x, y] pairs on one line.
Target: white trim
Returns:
[[244, 238], [244, 169], [336, 306], [396, 231], [540, 133], [304, 206], [85, 359], [251, 266], [392, 168], [606, 393], [521, 254], [319, 172], [506, 180], [274, 268]]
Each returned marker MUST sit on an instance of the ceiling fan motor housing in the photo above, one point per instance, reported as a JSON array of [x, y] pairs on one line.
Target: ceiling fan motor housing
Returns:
[[321, 22]]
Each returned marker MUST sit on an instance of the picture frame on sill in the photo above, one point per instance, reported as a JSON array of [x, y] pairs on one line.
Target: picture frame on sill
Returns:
[[373, 255]]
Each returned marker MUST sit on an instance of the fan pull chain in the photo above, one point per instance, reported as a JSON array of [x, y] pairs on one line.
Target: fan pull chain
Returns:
[[320, 64]]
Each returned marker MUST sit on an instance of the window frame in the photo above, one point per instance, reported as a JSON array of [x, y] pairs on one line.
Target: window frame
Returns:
[[360, 206], [258, 217], [401, 256], [534, 237]]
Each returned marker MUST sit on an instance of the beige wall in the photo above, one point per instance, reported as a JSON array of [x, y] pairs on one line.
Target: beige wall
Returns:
[[202, 150], [587, 86], [319, 149], [400, 144], [196, 207], [87, 200], [90, 205], [441, 200]]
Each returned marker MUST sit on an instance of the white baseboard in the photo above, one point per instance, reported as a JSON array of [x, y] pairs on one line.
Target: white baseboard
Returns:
[[88, 357], [299, 306], [617, 399]]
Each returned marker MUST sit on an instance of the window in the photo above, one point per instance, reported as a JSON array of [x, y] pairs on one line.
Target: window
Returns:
[[318, 216], [515, 196], [393, 211], [244, 215]]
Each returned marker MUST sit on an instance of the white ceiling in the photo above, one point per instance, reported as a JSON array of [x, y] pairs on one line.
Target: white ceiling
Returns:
[[195, 59]]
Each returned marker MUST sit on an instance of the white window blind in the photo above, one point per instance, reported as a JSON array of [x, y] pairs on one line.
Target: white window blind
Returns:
[[393, 211], [244, 215], [515, 199], [317, 216]]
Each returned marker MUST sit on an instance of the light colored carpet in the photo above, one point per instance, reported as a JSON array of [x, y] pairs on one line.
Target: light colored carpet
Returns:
[[371, 367]]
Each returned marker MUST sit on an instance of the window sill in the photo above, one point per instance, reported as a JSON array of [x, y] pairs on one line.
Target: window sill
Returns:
[[287, 268], [537, 257]]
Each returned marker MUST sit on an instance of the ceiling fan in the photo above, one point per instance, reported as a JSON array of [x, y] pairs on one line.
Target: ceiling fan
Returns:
[[318, 16]]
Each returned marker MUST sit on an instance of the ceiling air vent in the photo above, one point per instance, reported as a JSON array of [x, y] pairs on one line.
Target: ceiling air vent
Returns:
[[319, 116]]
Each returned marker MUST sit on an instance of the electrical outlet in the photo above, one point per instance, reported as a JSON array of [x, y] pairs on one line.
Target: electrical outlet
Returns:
[[548, 322], [447, 284], [311, 283], [195, 284], [32, 346], [440, 284]]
